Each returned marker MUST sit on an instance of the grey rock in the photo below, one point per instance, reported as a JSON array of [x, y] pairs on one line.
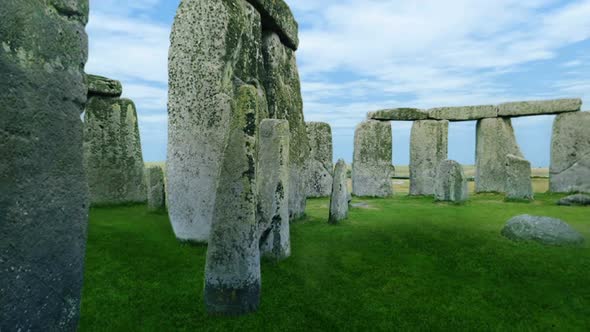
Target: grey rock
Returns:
[[451, 183], [283, 91], [339, 199], [277, 17], [428, 148], [155, 188], [112, 152], [570, 153], [545, 230], [398, 114], [494, 142], [43, 189], [102, 86], [372, 169], [273, 188], [464, 113], [575, 200], [539, 107], [319, 165], [518, 178]]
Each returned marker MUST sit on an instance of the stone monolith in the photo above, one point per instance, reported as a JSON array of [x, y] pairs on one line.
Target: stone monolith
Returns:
[[450, 182], [518, 178], [428, 148], [156, 196], [43, 189], [340, 198], [319, 164]]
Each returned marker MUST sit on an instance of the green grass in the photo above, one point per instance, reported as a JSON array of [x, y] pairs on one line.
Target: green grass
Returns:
[[401, 264]]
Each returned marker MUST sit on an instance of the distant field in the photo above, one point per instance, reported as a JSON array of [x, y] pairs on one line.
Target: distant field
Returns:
[[404, 170]]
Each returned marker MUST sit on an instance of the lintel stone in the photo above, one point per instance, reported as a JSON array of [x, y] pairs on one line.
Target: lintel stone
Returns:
[[277, 17]]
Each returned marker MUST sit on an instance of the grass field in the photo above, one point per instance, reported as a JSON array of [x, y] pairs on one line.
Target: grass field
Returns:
[[398, 264]]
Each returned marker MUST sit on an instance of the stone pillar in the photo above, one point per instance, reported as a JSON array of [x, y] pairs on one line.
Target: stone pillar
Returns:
[[273, 189], [43, 189], [518, 178], [319, 165], [372, 169], [155, 188], [428, 148], [112, 146], [340, 198], [450, 182], [495, 140], [570, 153]]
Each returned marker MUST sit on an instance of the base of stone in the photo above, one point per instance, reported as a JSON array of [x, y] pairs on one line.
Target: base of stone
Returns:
[[228, 301]]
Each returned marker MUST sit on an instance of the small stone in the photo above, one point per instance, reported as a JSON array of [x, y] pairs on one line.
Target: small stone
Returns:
[[319, 165], [539, 107], [575, 200], [545, 230], [464, 113], [339, 199], [428, 148], [451, 183], [155, 188], [518, 178], [398, 114], [102, 86]]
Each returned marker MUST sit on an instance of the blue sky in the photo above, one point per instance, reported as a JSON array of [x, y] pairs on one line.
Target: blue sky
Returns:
[[360, 56]]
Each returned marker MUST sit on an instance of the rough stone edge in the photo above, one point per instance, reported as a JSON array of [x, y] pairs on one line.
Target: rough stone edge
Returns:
[[270, 12]]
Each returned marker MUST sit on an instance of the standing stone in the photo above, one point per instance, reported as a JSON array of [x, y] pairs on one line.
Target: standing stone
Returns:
[[570, 153], [112, 150], [320, 165], [283, 91], [371, 168], [495, 140], [155, 188], [43, 189], [428, 148], [545, 230], [273, 188], [211, 56], [450, 182], [518, 178], [340, 198]]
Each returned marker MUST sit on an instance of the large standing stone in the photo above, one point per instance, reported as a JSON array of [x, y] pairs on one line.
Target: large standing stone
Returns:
[[155, 188], [283, 91], [545, 230], [43, 190], [112, 151], [273, 188], [371, 168], [518, 178], [495, 140], [211, 56], [340, 198], [320, 165], [570, 153], [428, 148], [450, 182]]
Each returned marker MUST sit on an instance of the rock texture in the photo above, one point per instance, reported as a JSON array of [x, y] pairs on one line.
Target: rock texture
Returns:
[[539, 107], [494, 142], [428, 148], [43, 190], [155, 188], [545, 230], [112, 151], [320, 165], [518, 178], [340, 198], [273, 189], [464, 113], [372, 169], [450, 182], [102, 86], [283, 91], [575, 200], [570, 153], [277, 17], [398, 114]]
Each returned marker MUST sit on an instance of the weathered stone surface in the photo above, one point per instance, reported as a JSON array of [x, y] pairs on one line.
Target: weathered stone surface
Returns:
[[273, 188], [495, 140], [283, 91], [428, 148], [518, 178], [545, 230], [575, 200], [398, 114], [450, 182], [155, 188], [112, 152], [102, 86], [464, 113], [277, 17], [320, 165], [210, 57], [372, 169], [539, 107], [43, 190], [570, 153], [340, 198]]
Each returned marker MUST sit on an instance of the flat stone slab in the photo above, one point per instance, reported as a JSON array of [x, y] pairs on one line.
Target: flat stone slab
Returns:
[[544, 230], [102, 86], [539, 107], [277, 16], [575, 200], [463, 113], [399, 114]]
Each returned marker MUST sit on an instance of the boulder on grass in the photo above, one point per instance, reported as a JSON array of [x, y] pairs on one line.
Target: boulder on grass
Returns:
[[575, 200], [545, 230]]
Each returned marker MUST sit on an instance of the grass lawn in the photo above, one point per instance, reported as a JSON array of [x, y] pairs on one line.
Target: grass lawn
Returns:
[[399, 264]]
